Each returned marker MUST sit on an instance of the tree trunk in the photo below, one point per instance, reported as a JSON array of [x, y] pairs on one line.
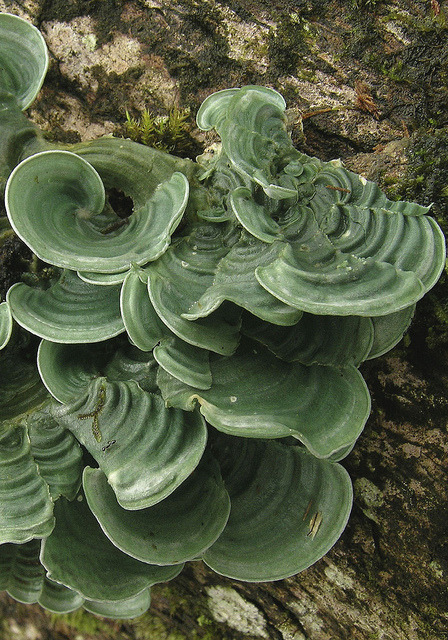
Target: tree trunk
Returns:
[[364, 80]]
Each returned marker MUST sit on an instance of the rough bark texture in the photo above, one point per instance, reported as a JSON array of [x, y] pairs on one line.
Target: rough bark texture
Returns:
[[368, 79]]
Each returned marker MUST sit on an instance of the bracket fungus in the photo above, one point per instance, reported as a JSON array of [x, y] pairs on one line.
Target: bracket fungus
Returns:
[[185, 384]]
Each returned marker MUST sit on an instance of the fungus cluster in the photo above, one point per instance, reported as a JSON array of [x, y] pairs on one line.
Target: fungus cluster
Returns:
[[183, 383]]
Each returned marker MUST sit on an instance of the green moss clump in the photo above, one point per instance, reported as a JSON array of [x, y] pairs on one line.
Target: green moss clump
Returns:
[[169, 133], [149, 627], [82, 622]]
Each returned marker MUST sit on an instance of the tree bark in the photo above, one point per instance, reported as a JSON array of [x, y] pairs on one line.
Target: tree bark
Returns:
[[364, 81]]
